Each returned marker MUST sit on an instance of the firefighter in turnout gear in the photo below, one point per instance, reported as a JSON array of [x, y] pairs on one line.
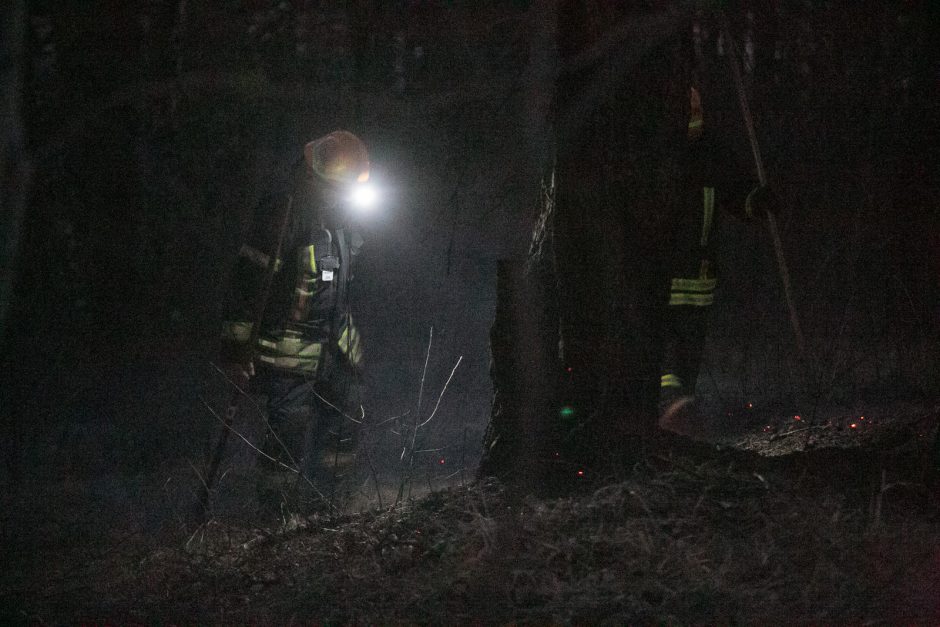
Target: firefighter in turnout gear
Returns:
[[711, 182], [307, 357]]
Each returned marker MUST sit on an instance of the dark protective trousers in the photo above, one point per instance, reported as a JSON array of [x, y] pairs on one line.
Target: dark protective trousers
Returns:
[[683, 345], [691, 294], [312, 423]]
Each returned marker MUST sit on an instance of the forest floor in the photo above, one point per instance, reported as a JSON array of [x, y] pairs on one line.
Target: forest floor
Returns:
[[829, 523]]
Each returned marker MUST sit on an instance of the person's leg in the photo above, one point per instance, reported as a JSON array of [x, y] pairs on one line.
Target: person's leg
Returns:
[[685, 342], [283, 442], [333, 435]]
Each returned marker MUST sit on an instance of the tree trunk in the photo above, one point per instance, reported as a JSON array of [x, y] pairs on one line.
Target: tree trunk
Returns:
[[523, 435], [577, 332], [14, 163], [15, 174], [524, 338]]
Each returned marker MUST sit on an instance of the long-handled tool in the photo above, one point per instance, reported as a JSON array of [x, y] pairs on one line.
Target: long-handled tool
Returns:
[[762, 178], [257, 319]]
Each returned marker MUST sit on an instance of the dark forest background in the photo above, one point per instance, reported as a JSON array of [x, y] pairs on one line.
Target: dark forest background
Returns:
[[151, 128], [138, 136]]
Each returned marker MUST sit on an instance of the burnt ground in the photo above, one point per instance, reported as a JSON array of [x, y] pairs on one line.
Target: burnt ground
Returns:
[[806, 523]]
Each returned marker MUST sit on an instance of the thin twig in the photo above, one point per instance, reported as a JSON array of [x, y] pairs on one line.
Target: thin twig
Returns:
[[261, 414], [340, 411], [296, 471], [379, 424], [375, 476], [453, 474], [245, 440], [424, 372], [786, 434], [442, 393], [198, 474], [198, 529]]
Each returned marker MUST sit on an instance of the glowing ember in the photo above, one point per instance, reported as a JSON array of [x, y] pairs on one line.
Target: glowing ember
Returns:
[[580, 473], [854, 425], [767, 428], [750, 405], [798, 417], [441, 461]]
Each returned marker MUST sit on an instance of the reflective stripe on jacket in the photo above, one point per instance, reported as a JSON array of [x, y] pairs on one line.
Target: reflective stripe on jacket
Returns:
[[698, 291], [306, 306], [350, 344]]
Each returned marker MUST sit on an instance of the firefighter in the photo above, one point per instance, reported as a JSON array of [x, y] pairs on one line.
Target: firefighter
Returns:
[[307, 357], [711, 183]]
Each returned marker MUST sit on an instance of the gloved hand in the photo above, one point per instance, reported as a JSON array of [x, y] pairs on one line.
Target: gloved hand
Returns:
[[237, 373], [761, 201], [235, 362]]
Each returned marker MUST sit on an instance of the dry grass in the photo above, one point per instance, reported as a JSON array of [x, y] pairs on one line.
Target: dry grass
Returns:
[[818, 537]]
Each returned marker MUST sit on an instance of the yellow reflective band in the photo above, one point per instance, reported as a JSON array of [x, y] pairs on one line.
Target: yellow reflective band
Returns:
[[349, 343], [291, 363], [302, 291], [696, 122], [694, 285], [239, 332], [343, 341], [355, 355], [311, 351], [697, 300], [291, 353], [670, 381], [297, 346], [708, 196], [312, 262]]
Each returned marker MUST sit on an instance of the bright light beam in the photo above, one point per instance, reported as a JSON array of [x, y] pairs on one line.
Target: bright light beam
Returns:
[[364, 197]]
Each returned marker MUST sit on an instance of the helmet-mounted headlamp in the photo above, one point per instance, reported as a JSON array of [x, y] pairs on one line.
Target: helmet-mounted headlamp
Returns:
[[339, 157]]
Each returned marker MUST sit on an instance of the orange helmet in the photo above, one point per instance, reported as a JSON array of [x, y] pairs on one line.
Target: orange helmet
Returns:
[[340, 157]]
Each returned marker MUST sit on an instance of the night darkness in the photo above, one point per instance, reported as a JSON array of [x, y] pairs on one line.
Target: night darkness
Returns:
[[139, 137]]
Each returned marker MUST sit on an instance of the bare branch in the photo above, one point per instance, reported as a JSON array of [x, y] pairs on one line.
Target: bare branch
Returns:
[[340, 411], [442, 393], [244, 439], [424, 373]]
